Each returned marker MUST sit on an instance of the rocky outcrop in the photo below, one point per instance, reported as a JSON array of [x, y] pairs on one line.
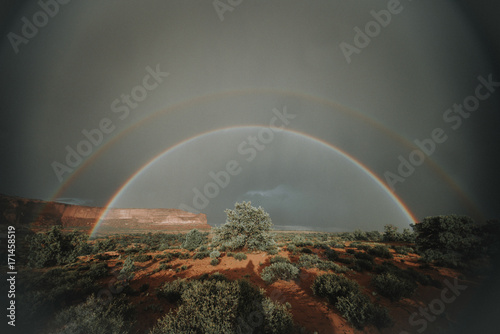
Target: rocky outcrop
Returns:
[[36, 213]]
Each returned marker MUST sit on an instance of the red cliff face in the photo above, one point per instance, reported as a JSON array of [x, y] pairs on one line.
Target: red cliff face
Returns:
[[35, 213]]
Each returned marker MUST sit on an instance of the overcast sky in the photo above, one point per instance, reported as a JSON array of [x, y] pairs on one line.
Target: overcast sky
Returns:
[[154, 98]]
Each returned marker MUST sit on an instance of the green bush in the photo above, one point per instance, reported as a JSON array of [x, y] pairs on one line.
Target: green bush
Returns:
[[300, 241], [331, 255], [308, 260], [240, 256], [448, 240], [194, 239], [277, 258], [394, 287], [95, 317], [214, 254], [172, 291], [56, 248], [328, 265], [333, 286], [360, 311], [346, 296], [214, 262], [127, 272], [279, 270], [214, 306], [380, 251], [246, 226]]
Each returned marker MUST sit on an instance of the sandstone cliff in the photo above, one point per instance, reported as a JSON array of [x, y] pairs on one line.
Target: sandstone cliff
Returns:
[[38, 214]]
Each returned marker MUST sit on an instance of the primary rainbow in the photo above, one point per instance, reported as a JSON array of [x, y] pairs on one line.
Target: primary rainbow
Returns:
[[402, 206]]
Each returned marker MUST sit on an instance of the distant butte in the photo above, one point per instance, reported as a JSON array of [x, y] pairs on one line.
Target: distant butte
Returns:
[[39, 214]]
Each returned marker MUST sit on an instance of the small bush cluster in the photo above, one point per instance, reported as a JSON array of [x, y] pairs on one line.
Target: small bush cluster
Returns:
[[194, 239], [279, 270], [56, 248], [448, 240], [380, 251], [240, 256], [214, 254], [214, 306], [127, 272], [214, 262], [277, 258], [394, 287], [95, 317], [346, 296]]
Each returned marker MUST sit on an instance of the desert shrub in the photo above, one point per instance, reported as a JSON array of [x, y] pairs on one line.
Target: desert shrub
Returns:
[[291, 248], [184, 256], [346, 296], [380, 251], [246, 226], [408, 236], [213, 307], [272, 251], [337, 244], [332, 286], [201, 255], [214, 262], [364, 247], [240, 256], [360, 311], [448, 240], [104, 245], [394, 287], [364, 256], [328, 265], [56, 248], [172, 291], [279, 270], [350, 251], [184, 267], [300, 241], [391, 233], [144, 287], [359, 235], [306, 250], [194, 239], [98, 270], [127, 272], [308, 260], [277, 258], [214, 254], [95, 317], [374, 236], [142, 258], [404, 250], [331, 255]]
